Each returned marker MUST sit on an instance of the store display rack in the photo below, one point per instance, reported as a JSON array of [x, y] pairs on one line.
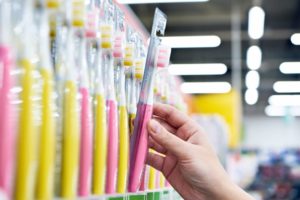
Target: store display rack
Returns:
[[72, 82]]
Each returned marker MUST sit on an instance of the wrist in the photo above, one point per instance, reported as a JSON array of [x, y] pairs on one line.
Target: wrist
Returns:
[[229, 190]]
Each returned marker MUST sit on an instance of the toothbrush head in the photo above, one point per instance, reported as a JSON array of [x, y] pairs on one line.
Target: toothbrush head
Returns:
[[52, 24], [162, 57], [53, 4], [118, 46], [155, 90], [164, 98], [106, 36], [78, 13], [129, 52], [91, 24], [139, 70]]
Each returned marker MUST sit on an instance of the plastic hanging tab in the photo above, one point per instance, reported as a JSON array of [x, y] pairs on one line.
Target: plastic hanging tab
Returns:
[[159, 23]]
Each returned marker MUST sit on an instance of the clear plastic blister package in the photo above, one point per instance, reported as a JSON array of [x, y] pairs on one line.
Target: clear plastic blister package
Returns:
[[158, 56]]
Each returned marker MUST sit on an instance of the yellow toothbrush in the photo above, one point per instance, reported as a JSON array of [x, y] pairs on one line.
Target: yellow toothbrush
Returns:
[[100, 146], [100, 138], [28, 135], [70, 142], [45, 174], [123, 149], [123, 118], [152, 177], [162, 180], [27, 142]]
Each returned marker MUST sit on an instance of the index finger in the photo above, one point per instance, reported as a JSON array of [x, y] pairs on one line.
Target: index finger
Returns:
[[170, 114]]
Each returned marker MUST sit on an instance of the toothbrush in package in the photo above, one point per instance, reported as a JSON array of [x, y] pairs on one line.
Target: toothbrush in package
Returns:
[[158, 56], [100, 129], [85, 158], [86, 147], [28, 133], [70, 126], [45, 174], [118, 53], [112, 118], [111, 100], [100, 118]]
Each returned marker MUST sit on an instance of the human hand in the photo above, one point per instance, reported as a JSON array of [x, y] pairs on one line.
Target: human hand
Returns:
[[187, 160]]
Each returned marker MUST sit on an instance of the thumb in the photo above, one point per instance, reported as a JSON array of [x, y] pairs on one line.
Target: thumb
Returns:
[[169, 141]]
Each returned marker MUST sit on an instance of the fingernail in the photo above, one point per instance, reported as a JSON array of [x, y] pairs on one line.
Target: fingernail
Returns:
[[154, 126]]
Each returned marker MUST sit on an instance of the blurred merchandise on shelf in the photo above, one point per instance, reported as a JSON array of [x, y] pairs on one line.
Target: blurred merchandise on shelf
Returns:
[[217, 131], [268, 174], [242, 167], [72, 73], [229, 106]]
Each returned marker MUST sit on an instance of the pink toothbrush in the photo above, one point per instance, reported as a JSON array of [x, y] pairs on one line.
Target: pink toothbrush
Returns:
[[86, 144], [157, 179], [157, 57], [112, 110], [112, 116], [7, 141], [7, 135]]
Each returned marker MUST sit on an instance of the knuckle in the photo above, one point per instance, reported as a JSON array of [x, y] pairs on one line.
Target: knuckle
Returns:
[[164, 134]]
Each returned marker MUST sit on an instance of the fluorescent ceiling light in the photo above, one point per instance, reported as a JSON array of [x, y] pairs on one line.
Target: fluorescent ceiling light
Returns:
[[284, 100], [205, 87], [290, 67], [157, 1], [256, 22], [198, 69], [252, 80], [295, 39], [254, 57], [287, 86], [208, 41], [251, 96], [277, 111]]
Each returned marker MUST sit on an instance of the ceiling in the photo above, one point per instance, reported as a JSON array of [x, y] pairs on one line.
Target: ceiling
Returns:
[[214, 17]]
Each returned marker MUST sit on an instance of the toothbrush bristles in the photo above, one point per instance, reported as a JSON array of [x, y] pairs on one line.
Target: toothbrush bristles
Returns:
[[163, 56]]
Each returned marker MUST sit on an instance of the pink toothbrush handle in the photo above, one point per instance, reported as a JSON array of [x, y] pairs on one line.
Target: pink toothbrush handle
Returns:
[[167, 184], [139, 146], [7, 137], [157, 179], [112, 159], [143, 181], [85, 145]]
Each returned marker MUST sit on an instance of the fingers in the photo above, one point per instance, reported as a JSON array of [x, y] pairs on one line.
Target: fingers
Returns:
[[170, 114], [158, 148], [164, 138], [184, 132], [155, 160], [167, 126], [187, 130]]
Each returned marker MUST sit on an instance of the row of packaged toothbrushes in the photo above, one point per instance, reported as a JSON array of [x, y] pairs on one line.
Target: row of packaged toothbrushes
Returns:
[[71, 84]]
